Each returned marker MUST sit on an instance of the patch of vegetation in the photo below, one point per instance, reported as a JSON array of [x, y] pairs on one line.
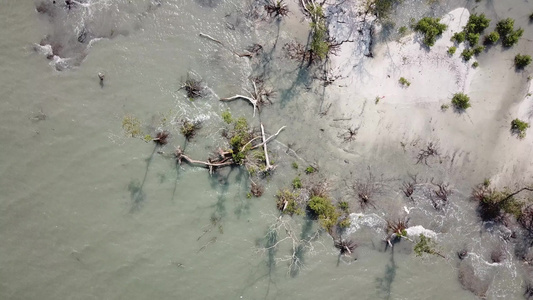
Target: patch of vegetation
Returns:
[[345, 222], [444, 107], [188, 129], [310, 170], [382, 8], [472, 38], [519, 127], [404, 82], [492, 38], [521, 61], [402, 30], [132, 126], [297, 183], [226, 116], [322, 209], [452, 50], [508, 35], [475, 65], [477, 23], [426, 245], [467, 54], [239, 136], [319, 40], [477, 50], [276, 8], [492, 204], [430, 28], [458, 37], [344, 206], [287, 202], [461, 101], [295, 165]]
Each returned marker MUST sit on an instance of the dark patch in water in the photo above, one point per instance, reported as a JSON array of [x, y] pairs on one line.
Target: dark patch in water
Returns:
[[208, 3], [72, 25]]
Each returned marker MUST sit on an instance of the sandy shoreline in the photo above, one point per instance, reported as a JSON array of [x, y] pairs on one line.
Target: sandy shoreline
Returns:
[[477, 141]]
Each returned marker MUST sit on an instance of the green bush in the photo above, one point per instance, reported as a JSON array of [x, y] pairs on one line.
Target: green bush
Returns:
[[505, 26], [519, 127], [472, 38], [323, 209], [521, 61], [404, 82], [507, 33], [475, 64], [226, 116], [287, 202], [477, 23], [458, 37], [344, 206], [402, 30], [477, 51], [295, 165], [297, 183], [452, 50], [310, 170], [461, 101], [467, 54], [491, 38], [431, 28]]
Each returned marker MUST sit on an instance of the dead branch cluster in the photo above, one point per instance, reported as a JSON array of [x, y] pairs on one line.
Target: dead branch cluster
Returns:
[[161, 137], [366, 190], [350, 134], [346, 246], [189, 128], [193, 87], [260, 95], [396, 230], [439, 196], [276, 8], [224, 158], [408, 188], [432, 149]]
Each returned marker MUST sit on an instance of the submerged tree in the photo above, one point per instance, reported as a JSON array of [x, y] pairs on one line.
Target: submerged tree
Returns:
[[426, 245]]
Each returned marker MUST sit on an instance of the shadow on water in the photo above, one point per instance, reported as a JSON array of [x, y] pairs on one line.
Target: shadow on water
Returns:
[[137, 195], [299, 253], [303, 77], [384, 284]]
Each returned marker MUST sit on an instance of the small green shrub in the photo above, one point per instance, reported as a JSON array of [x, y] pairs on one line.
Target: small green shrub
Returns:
[[507, 33], [519, 127], [467, 54], [287, 202], [402, 30], [323, 209], [461, 101], [452, 50], [404, 82], [458, 37], [521, 61], [310, 170], [492, 38], [475, 64], [226, 116], [345, 223], [344, 206], [477, 23], [295, 165], [132, 126], [477, 51], [297, 183], [444, 107], [472, 38], [431, 28], [426, 245]]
